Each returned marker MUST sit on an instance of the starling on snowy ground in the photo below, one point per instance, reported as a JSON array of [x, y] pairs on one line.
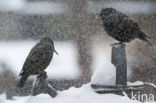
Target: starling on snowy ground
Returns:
[[120, 27], [38, 59]]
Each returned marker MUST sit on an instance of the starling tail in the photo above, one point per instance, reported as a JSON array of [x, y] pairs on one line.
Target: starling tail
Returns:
[[22, 81]]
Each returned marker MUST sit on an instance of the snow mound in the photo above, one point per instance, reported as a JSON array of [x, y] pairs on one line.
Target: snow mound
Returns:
[[85, 94], [105, 75], [135, 83]]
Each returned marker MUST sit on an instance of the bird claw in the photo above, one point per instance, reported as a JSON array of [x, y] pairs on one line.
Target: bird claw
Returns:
[[117, 43], [43, 74]]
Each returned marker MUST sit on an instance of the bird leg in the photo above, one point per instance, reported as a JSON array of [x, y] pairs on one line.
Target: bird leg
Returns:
[[43, 74], [120, 42], [117, 43]]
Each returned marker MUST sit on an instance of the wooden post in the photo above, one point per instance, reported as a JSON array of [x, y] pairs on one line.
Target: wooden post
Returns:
[[41, 86], [119, 60]]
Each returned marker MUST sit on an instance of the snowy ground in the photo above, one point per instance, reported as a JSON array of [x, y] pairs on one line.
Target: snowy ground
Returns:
[[85, 94]]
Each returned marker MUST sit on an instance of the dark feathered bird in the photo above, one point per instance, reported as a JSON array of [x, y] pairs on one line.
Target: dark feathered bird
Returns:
[[38, 59], [120, 27]]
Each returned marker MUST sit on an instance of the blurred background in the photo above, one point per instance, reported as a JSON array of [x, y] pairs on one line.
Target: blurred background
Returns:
[[79, 37]]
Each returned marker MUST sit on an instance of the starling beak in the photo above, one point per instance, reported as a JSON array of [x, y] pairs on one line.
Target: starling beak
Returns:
[[97, 16], [120, 27], [55, 52], [38, 59]]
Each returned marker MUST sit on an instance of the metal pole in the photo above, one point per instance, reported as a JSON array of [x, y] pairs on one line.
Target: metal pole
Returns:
[[119, 60]]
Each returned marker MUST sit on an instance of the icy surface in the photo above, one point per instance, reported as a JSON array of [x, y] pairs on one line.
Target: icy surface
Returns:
[[7, 5], [15, 53], [85, 94], [43, 7]]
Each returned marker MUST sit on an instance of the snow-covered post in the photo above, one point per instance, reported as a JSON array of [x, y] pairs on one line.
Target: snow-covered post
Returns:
[[9, 96], [119, 60], [41, 85]]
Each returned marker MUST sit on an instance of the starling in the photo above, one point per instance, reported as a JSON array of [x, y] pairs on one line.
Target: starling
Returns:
[[38, 59], [120, 27]]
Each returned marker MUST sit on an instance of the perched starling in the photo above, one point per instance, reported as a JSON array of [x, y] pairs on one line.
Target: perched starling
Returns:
[[38, 59], [120, 27]]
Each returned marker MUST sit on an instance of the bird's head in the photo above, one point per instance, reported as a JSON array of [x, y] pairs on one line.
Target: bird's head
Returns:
[[49, 40], [107, 11]]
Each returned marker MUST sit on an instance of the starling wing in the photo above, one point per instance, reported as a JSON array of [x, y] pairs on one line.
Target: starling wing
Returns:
[[120, 27], [37, 61]]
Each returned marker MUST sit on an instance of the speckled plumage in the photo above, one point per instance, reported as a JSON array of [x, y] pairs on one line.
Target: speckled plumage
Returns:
[[120, 27], [38, 59]]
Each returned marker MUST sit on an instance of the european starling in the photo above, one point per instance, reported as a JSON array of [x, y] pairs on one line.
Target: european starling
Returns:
[[38, 59], [120, 27]]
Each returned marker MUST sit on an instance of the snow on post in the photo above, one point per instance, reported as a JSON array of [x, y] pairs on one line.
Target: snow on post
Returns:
[[104, 75], [41, 86], [119, 60]]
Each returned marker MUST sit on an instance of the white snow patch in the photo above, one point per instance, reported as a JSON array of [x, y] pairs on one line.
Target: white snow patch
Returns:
[[35, 7], [135, 83], [85, 94], [105, 75], [105, 71]]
